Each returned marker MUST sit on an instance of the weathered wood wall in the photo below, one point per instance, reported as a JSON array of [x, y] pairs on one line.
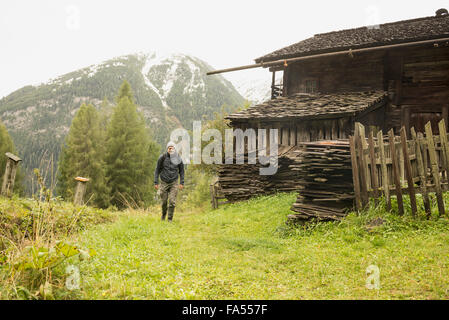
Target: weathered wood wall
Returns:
[[417, 79], [291, 133], [363, 72]]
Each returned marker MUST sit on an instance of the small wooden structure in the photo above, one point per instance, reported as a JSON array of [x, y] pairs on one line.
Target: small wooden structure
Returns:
[[217, 198], [10, 174], [78, 199]]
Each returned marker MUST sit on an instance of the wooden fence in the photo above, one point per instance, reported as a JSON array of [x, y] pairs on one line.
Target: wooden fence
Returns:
[[394, 165]]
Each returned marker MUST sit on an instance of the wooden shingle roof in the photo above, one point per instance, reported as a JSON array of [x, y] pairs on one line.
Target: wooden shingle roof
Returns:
[[427, 28], [313, 106]]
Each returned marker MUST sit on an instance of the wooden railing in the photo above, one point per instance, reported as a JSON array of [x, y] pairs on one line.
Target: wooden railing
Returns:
[[393, 165], [277, 90]]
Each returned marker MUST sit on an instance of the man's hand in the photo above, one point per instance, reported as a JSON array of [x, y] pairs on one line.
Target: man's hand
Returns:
[[156, 186], [181, 186]]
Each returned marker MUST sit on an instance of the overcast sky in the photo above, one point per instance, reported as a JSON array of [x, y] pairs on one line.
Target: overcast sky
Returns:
[[47, 38]]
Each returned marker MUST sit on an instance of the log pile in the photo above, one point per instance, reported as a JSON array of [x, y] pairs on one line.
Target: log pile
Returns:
[[242, 181], [325, 179], [320, 171]]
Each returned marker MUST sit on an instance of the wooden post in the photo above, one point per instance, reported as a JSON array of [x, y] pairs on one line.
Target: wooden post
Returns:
[[444, 147], [363, 169], [355, 173], [400, 156], [408, 172], [396, 173], [212, 196], [292, 135], [374, 180], [383, 169], [10, 174], [434, 167], [361, 133], [421, 172], [80, 190]]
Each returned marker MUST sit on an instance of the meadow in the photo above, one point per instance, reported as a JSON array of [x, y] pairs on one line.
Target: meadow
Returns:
[[245, 251]]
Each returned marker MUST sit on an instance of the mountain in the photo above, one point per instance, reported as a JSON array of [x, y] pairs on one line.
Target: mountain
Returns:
[[171, 90], [255, 91], [254, 85]]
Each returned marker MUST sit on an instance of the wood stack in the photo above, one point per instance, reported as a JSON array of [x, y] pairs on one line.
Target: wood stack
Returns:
[[242, 181], [325, 180], [320, 171]]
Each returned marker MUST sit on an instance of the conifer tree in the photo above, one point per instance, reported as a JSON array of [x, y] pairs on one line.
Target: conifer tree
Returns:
[[129, 153], [83, 155]]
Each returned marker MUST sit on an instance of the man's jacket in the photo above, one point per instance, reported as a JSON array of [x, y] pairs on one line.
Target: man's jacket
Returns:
[[168, 167]]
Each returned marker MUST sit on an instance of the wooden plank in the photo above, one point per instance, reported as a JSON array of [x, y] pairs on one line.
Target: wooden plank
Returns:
[[292, 135], [355, 173], [421, 173], [365, 152], [408, 172], [374, 179], [285, 136], [444, 146], [434, 167], [424, 153], [400, 159], [395, 165], [362, 169], [383, 168]]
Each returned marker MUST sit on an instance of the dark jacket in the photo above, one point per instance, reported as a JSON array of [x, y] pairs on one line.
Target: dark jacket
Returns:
[[168, 169]]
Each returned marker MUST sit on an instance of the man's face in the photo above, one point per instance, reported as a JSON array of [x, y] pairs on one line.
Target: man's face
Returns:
[[171, 150]]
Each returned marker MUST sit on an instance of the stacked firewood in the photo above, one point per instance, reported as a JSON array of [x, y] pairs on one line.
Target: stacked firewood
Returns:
[[325, 178], [242, 181]]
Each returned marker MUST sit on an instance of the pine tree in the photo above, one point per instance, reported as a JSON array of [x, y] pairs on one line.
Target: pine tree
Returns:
[[129, 153], [83, 155], [125, 91]]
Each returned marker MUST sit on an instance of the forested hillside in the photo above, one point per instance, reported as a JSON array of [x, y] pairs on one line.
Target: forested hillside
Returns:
[[170, 91]]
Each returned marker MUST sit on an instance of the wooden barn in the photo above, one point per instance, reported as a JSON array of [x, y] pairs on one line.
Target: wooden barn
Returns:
[[386, 76]]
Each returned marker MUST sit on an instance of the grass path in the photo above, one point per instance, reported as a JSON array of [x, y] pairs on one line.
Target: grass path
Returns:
[[245, 251]]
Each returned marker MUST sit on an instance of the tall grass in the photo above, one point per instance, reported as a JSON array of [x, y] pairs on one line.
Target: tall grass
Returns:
[[32, 255]]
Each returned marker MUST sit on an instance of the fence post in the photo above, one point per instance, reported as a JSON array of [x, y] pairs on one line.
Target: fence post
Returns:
[[421, 172], [444, 147], [396, 172], [434, 167], [408, 172], [374, 181], [9, 177], [80, 190], [383, 168], [355, 173], [362, 165]]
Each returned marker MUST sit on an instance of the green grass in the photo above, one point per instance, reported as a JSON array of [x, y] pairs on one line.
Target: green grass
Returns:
[[245, 251]]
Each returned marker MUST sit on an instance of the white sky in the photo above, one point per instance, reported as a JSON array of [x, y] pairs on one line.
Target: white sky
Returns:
[[43, 39]]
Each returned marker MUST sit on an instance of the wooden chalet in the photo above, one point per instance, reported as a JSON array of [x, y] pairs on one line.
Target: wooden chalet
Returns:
[[383, 76], [386, 76]]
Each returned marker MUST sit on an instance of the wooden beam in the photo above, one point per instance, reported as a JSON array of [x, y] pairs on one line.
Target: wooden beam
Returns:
[[329, 54]]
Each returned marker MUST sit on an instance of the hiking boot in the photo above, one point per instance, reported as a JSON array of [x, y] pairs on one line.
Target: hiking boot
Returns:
[[164, 213], [171, 211]]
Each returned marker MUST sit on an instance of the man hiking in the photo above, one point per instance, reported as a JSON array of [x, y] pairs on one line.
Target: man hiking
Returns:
[[169, 165]]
